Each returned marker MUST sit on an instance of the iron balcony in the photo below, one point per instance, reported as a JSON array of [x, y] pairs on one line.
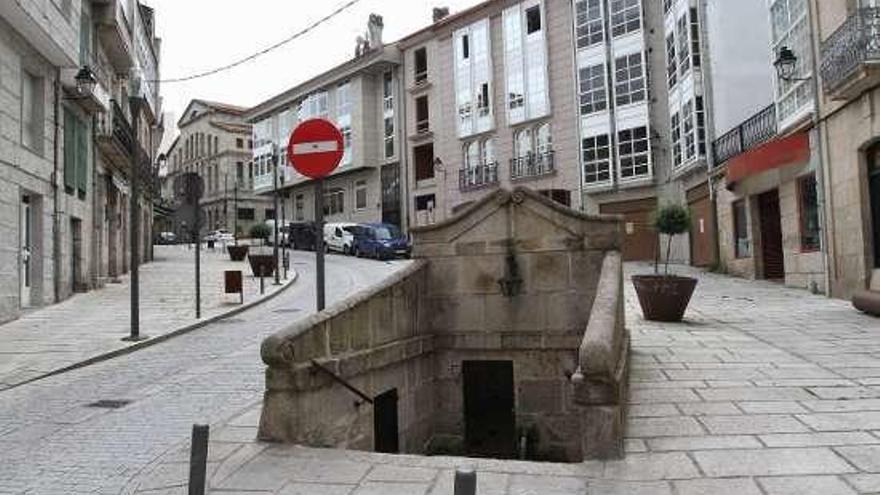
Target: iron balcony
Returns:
[[850, 60], [756, 130], [532, 166]]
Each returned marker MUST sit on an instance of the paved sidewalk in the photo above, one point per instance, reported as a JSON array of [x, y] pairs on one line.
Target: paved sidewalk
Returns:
[[91, 325], [762, 391]]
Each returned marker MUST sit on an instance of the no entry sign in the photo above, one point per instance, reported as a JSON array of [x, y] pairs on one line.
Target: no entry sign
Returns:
[[315, 148]]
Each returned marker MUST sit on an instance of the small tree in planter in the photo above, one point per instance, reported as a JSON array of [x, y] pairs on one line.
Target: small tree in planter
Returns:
[[262, 263], [261, 231], [665, 297]]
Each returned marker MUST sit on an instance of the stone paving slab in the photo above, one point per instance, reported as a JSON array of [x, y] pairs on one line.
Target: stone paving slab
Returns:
[[763, 390], [90, 326]]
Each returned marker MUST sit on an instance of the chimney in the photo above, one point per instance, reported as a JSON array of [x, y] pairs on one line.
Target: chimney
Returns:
[[440, 13]]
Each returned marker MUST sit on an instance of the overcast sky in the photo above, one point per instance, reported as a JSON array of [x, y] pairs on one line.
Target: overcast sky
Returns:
[[198, 35]]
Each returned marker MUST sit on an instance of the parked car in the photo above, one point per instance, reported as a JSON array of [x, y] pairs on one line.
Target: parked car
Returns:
[[381, 241], [301, 235], [221, 235], [339, 237], [166, 238], [282, 234]]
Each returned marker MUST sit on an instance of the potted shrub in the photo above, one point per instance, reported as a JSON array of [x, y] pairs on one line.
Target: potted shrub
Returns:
[[665, 297], [237, 252], [262, 262]]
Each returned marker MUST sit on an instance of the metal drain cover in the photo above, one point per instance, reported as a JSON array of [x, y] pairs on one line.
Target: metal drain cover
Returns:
[[109, 404], [287, 310], [228, 321]]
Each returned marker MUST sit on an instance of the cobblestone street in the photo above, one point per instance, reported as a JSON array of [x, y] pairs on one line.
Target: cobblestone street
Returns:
[[54, 443], [764, 390], [93, 324]]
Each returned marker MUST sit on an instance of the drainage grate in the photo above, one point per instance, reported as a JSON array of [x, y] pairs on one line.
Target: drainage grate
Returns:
[[287, 310], [228, 321], [110, 404]]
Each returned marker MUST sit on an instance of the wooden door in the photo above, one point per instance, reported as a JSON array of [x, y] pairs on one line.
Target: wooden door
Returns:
[[771, 235], [489, 419], [702, 235], [639, 237]]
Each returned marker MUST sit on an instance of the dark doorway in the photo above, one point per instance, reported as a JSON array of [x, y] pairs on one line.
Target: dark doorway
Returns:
[[771, 235], [385, 430], [391, 195], [489, 421], [874, 191], [76, 254]]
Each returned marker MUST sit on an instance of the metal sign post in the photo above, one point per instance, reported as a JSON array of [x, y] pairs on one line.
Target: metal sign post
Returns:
[[189, 188], [319, 242], [276, 240], [315, 149]]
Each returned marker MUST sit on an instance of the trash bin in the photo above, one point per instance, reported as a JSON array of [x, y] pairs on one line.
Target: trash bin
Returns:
[[210, 244]]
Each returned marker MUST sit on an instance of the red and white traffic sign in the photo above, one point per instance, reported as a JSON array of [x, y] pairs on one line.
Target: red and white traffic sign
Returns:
[[315, 148]]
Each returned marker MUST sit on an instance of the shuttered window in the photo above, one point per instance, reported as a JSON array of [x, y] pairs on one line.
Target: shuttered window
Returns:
[[76, 155]]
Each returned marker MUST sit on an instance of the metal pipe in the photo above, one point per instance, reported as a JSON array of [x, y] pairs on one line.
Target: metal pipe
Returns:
[[338, 379], [134, 218], [56, 210], [821, 179], [275, 211]]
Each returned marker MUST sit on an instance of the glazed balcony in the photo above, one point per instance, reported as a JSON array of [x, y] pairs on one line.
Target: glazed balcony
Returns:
[[115, 136], [851, 56], [756, 130], [532, 166], [114, 29], [478, 177]]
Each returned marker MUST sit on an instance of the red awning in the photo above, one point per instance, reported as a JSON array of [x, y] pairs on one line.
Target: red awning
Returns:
[[790, 150]]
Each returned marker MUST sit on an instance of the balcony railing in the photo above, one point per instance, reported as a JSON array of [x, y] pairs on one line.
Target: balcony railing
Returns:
[[758, 129], [478, 177], [532, 165], [855, 43]]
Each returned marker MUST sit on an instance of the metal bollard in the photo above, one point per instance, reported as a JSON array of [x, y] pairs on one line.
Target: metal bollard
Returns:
[[465, 481], [198, 460]]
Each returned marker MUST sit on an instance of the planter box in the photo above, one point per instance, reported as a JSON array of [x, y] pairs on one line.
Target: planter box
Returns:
[[237, 253], [262, 264], [664, 297]]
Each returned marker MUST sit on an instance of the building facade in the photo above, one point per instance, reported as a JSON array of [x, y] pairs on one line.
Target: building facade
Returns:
[[59, 233], [768, 170], [215, 142], [362, 96], [848, 47], [563, 97]]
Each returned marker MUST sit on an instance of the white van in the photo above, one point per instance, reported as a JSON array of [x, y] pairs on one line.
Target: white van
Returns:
[[282, 233], [339, 237]]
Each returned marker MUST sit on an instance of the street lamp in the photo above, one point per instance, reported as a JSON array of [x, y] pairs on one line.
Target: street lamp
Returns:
[[786, 65], [85, 81], [135, 102]]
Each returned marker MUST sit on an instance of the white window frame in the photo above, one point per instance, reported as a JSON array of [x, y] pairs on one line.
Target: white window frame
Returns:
[[633, 155], [596, 160]]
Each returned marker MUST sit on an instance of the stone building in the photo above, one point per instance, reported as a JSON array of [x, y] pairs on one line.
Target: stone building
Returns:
[[362, 96], [63, 227], [556, 95], [846, 39], [215, 142]]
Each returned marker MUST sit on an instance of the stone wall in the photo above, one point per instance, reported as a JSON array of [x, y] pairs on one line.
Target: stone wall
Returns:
[[377, 340], [558, 255], [515, 279]]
